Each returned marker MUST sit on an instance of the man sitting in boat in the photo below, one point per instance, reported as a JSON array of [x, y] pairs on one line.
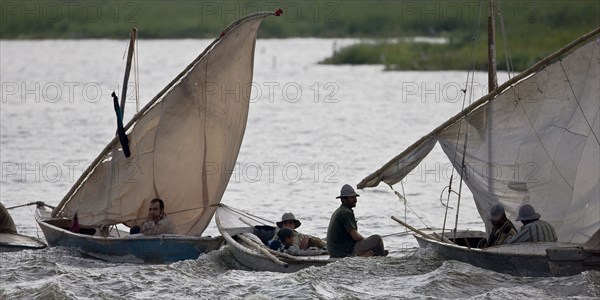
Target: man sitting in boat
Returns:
[[158, 222], [7, 225], [343, 238], [302, 241], [286, 237], [502, 228], [534, 229]]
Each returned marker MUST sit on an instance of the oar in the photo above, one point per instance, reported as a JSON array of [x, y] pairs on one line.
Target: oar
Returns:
[[275, 253], [419, 231], [38, 203], [263, 251]]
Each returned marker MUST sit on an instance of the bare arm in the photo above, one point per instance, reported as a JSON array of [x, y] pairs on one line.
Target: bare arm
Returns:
[[355, 235]]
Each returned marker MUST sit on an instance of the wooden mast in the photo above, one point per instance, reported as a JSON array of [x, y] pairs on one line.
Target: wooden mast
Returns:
[[492, 85], [492, 78], [130, 51]]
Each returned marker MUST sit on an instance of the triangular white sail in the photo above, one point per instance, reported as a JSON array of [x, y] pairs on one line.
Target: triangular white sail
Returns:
[[544, 136], [183, 147]]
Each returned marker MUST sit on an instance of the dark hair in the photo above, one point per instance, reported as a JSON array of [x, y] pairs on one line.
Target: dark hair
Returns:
[[284, 233], [161, 204]]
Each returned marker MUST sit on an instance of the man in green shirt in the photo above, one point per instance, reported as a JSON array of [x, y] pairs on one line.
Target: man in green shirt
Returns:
[[343, 238]]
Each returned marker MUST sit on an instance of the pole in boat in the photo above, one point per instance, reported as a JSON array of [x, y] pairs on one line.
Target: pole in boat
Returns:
[[492, 85], [492, 77], [263, 251], [423, 234], [130, 51]]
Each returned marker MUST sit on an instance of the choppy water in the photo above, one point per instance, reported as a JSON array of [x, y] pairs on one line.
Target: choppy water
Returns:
[[311, 129]]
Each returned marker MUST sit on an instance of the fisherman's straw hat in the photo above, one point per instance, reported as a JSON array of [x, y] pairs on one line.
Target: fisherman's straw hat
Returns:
[[347, 191], [527, 213], [288, 217]]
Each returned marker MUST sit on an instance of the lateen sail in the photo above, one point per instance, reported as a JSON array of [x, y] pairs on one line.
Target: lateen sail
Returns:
[[545, 133], [184, 146]]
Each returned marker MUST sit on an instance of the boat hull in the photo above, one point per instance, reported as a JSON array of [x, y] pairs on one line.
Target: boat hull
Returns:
[[527, 259], [257, 262], [239, 239], [10, 242], [129, 248]]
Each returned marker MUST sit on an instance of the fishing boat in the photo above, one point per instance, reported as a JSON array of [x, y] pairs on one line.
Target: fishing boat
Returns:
[[545, 123], [10, 239], [177, 148], [247, 235], [11, 242]]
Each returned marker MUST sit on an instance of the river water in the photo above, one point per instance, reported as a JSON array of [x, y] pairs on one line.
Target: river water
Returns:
[[311, 128]]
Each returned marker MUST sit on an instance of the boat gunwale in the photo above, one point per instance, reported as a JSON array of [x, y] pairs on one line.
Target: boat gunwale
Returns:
[[298, 260], [43, 221]]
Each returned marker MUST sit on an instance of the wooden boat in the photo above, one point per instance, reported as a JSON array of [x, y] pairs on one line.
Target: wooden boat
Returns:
[[527, 259], [247, 236], [168, 150], [545, 123], [120, 246], [11, 242]]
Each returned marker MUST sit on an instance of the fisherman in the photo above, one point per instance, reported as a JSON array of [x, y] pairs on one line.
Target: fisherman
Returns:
[[502, 228], [534, 229], [343, 238], [157, 222], [302, 241], [286, 236], [7, 225]]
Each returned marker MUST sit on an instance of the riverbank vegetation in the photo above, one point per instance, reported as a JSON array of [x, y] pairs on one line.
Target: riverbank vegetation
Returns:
[[531, 30], [534, 28]]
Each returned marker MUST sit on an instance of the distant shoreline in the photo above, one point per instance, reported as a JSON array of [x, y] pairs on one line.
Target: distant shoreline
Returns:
[[533, 28]]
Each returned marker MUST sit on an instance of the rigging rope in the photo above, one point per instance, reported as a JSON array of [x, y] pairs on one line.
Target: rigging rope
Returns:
[[403, 199], [137, 78], [471, 75], [254, 218], [508, 56]]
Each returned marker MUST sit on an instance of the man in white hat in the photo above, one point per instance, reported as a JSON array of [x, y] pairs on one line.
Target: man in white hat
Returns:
[[343, 238], [502, 228], [534, 229]]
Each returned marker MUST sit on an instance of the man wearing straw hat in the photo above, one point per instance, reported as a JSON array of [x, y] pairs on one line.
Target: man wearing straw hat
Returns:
[[343, 238], [302, 241], [534, 229]]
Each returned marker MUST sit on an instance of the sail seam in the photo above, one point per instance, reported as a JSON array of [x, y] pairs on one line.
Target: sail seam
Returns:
[[577, 99]]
